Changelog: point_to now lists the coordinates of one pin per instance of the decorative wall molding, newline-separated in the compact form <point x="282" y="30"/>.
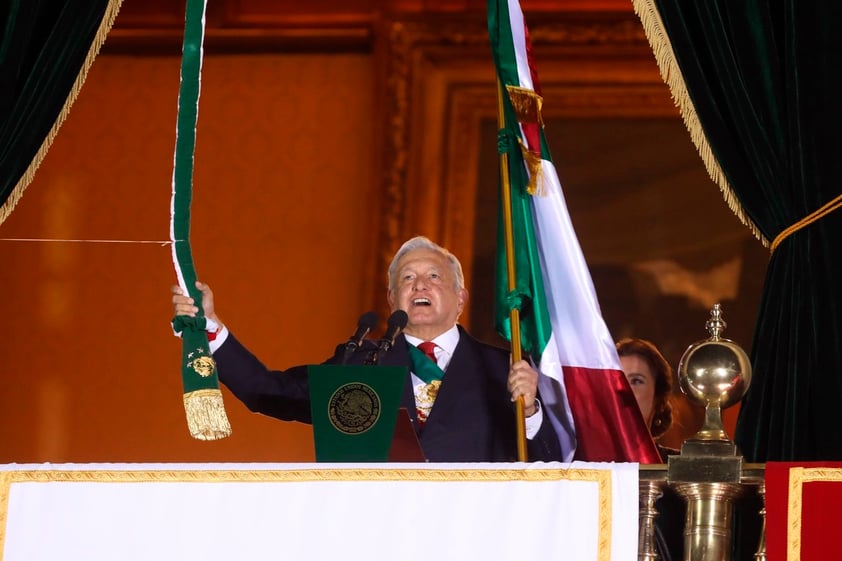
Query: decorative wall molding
<point x="434" y="89"/>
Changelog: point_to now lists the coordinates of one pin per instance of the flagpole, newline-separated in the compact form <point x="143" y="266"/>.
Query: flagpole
<point x="514" y="314"/>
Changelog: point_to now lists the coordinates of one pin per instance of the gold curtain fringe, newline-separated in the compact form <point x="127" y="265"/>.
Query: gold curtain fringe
<point x="653" y="27"/>
<point x="104" y="27"/>
<point x="527" y="105"/>
<point x="206" y="417"/>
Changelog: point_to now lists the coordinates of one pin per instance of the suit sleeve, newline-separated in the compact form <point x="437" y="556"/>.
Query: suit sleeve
<point x="283" y="394"/>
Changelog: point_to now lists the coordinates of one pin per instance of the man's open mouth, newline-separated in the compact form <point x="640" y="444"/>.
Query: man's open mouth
<point x="421" y="302"/>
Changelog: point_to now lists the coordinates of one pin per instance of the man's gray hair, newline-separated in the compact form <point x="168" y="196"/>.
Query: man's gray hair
<point x="422" y="242"/>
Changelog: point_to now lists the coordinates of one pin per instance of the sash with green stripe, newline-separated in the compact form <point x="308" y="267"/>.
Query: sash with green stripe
<point x="422" y="366"/>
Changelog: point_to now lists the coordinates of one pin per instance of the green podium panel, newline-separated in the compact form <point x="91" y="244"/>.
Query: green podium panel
<point x="354" y="410"/>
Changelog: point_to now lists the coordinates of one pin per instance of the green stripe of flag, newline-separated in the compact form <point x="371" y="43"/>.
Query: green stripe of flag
<point x="528" y="295"/>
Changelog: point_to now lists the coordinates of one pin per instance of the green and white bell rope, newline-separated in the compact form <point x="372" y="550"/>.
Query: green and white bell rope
<point x="206" y="418"/>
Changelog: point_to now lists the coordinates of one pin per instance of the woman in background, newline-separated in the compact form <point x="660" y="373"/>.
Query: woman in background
<point x="650" y="377"/>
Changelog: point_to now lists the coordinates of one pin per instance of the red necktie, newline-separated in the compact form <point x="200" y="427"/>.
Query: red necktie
<point x="429" y="349"/>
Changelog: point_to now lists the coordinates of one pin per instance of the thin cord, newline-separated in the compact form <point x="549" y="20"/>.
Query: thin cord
<point x="159" y="242"/>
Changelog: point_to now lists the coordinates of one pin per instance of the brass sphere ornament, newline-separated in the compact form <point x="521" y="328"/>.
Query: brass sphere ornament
<point x="716" y="373"/>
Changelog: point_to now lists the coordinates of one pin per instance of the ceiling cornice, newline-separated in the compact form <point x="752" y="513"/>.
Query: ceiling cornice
<point x="157" y="26"/>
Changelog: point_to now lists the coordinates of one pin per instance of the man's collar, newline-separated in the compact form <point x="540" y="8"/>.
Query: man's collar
<point x="447" y="340"/>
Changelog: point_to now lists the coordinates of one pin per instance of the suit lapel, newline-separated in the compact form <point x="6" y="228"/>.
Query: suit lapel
<point x="460" y="380"/>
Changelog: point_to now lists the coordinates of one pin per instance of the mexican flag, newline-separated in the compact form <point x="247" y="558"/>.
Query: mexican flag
<point x="583" y="388"/>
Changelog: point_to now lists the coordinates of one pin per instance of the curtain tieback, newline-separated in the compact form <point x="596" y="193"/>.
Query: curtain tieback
<point x="806" y="221"/>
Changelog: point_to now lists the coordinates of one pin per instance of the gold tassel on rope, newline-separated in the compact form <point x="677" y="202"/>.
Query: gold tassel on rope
<point x="206" y="418"/>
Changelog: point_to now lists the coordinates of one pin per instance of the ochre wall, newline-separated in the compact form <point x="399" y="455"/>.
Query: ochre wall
<point x="284" y="171"/>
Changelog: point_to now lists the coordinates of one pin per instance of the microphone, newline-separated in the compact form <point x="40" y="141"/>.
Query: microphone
<point x="397" y="321"/>
<point x="365" y="324"/>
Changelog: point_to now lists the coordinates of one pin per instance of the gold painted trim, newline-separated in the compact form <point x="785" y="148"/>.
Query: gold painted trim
<point x="653" y="26"/>
<point x="104" y="27"/>
<point x="601" y="477"/>
<point x="5" y="484"/>
<point x="798" y="476"/>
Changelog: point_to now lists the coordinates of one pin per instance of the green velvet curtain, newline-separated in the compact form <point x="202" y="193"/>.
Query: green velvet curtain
<point x="762" y="97"/>
<point x="46" y="48"/>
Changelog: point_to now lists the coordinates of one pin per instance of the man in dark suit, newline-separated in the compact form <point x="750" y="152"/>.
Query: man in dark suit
<point x="460" y="402"/>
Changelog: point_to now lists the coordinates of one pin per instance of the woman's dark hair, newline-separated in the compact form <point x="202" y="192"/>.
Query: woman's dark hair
<point x="661" y="407"/>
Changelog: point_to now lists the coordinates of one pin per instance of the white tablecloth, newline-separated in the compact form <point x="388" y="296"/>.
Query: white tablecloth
<point x="321" y="512"/>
